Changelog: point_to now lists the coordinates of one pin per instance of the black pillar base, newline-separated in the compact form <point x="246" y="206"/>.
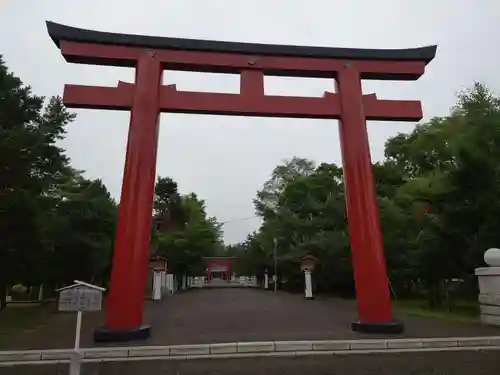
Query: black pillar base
<point x="387" y="327"/>
<point x="309" y="298"/>
<point x="103" y="334"/>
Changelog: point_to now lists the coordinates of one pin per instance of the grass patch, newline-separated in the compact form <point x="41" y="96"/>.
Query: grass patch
<point x="462" y="311"/>
<point x="16" y="319"/>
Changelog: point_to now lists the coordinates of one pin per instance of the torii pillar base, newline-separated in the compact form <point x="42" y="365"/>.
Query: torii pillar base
<point x="394" y="327"/>
<point x="103" y="334"/>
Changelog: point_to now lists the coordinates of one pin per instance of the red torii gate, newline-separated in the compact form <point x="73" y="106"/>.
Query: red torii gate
<point x="225" y="262"/>
<point x="147" y="97"/>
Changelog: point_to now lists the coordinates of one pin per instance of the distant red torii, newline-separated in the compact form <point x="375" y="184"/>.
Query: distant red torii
<point x="147" y="97"/>
<point x="211" y="264"/>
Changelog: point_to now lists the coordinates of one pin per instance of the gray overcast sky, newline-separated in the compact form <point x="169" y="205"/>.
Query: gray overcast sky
<point x="225" y="160"/>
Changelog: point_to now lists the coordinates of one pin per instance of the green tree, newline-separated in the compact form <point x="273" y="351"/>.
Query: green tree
<point x="266" y="201"/>
<point x="31" y="166"/>
<point x="55" y="225"/>
<point x="82" y="233"/>
<point x="438" y="195"/>
<point x="167" y="204"/>
<point x="185" y="245"/>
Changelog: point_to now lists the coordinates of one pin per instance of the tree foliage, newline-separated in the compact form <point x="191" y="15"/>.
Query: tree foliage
<point x="190" y="236"/>
<point x="54" y="224"/>
<point x="438" y="193"/>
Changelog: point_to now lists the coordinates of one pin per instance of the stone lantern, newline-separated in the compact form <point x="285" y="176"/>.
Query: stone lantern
<point x="489" y="287"/>
<point x="157" y="277"/>
<point x="307" y="264"/>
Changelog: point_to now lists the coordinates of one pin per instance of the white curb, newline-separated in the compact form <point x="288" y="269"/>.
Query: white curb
<point x="249" y="349"/>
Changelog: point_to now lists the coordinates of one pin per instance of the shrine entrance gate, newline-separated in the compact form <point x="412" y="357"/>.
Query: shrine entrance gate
<point x="147" y="97"/>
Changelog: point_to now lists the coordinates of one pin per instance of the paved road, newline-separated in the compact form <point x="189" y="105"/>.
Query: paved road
<point x="229" y="315"/>
<point x="428" y="363"/>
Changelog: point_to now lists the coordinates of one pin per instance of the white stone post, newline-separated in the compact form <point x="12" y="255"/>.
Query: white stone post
<point x="157" y="286"/>
<point x="308" y="285"/>
<point x="266" y="281"/>
<point x="170" y="283"/>
<point x="184" y="282"/>
<point x="489" y="288"/>
<point x="40" y="293"/>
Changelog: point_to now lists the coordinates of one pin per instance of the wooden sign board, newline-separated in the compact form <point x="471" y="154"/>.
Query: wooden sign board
<point x="80" y="298"/>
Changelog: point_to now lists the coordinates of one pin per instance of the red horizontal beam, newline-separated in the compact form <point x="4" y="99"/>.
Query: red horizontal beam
<point x="171" y="100"/>
<point x="97" y="97"/>
<point x="391" y="110"/>
<point x="90" y="53"/>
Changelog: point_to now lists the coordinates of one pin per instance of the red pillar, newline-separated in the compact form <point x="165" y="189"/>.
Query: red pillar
<point x="370" y="274"/>
<point x="128" y="277"/>
<point x="209" y="275"/>
<point x="228" y="270"/>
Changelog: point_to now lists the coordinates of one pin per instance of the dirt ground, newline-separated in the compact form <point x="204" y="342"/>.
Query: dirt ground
<point x="236" y="314"/>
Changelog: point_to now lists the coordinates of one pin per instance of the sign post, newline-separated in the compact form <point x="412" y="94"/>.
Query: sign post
<point x="79" y="297"/>
<point x="75" y="364"/>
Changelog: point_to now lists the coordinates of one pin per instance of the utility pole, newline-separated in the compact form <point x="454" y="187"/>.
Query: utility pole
<point x="275" y="276"/>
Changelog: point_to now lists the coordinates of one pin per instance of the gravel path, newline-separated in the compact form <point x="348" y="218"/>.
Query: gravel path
<point x="232" y="314"/>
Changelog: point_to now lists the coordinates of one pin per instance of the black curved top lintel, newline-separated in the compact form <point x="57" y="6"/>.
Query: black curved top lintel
<point x="60" y="32"/>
